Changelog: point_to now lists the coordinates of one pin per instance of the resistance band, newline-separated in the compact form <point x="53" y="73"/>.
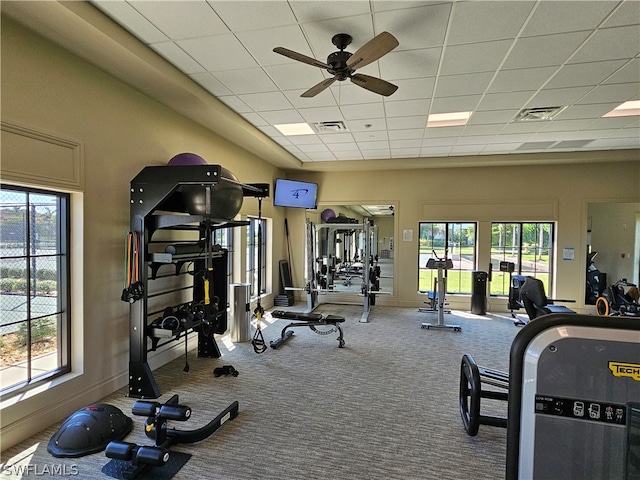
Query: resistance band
<point x="259" y="345"/>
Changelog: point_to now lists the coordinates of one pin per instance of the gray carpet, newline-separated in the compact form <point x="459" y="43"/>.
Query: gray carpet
<point x="383" y="407"/>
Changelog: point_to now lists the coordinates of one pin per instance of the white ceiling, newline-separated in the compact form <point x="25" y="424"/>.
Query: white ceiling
<point x="493" y="58"/>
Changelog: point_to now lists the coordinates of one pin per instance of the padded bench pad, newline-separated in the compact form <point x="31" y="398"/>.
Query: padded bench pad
<point x="306" y="317"/>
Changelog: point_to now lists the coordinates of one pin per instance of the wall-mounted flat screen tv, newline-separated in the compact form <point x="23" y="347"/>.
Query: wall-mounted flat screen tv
<point x="292" y="193"/>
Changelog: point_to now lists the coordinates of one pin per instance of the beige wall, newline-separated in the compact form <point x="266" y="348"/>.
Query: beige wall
<point x="557" y="193"/>
<point x="99" y="133"/>
<point x="69" y="125"/>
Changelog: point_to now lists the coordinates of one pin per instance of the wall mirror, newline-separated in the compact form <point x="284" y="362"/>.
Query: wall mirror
<point x="613" y="246"/>
<point x="342" y="249"/>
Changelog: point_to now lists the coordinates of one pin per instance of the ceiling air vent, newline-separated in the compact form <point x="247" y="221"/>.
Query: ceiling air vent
<point x="538" y="113"/>
<point x="336" y="126"/>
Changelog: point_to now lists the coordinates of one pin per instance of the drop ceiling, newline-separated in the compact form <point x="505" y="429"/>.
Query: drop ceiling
<point x="491" y="58"/>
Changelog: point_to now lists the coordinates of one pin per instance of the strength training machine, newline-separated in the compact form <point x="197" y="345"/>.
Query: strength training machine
<point x="141" y="458"/>
<point x="321" y="268"/>
<point x="196" y="200"/>
<point x="573" y="398"/>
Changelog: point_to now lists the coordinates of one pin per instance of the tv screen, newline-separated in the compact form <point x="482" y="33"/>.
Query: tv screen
<point x="292" y="193"/>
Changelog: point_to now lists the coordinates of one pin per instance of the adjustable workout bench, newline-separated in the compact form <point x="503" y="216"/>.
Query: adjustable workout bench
<point x="311" y="320"/>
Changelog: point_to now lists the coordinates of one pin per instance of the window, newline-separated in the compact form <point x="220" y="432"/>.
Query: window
<point x="528" y="246"/>
<point x="224" y="238"/>
<point x="34" y="286"/>
<point x="455" y="240"/>
<point x="256" y="243"/>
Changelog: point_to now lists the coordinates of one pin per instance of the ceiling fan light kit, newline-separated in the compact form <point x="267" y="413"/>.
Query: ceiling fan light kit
<point x="343" y="65"/>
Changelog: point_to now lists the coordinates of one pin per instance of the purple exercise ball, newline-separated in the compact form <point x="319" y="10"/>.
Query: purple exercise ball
<point x="187" y="159"/>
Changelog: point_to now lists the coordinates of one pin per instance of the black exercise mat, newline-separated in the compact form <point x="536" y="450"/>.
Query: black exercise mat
<point x="116" y="468"/>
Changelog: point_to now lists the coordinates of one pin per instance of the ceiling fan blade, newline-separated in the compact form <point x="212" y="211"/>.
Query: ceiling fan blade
<point x="316" y="89"/>
<point x="373" y="84"/>
<point x="300" y="57"/>
<point x="371" y="51"/>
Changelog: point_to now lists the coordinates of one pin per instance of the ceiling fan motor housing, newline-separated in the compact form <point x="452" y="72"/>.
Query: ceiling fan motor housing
<point x="338" y="63"/>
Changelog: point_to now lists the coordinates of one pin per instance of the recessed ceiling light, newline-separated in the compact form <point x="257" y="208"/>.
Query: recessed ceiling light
<point x="453" y="119"/>
<point x="289" y="129"/>
<point x="627" y="109"/>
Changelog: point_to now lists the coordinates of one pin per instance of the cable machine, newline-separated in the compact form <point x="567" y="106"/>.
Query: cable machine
<point x="198" y="199"/>
<point x="321" y="268"/>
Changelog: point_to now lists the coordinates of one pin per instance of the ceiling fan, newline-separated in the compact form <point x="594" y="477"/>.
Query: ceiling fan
<point x="342" y="65"/>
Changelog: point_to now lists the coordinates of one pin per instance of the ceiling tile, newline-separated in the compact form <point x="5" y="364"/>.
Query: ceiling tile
<point x="611" y="93"/>
<point x="558" y="97"/>
<point x="279" y="117"/>
<point x="132" y="20"/>
<point x="333" y="138"/>
<point x="491" y="129"/>
<point x="629" y="73"/>
<point x="307" y="11"/>
<point x="582" y="74"/>
<point x="521" y="79"/>
<point x="493" y="117"/>
<point x="476" y="57"/>
<point x="262" y="102"/>
<point x="544" y="51"/>
<point x="258" y="121"/>
<point x="435" y="151"/>
<point x="219" y="53"/>
<point x="295" y="75"/>
<point x="184" y="19"/>
<point x="407" y="107"/>
<point x="348" y="155"/>
<point x="405" y="143"/>
<point x="321" y="114"/>
<point x="565" y="125"/>
<point x="305" y="140"/>
<point x="399" y="123"/>
<point x="419" y="27"/>
<point x="247" y="80"/>
<point x="260" y="44"/>
<point x="367" y="125"/>
<point x="342" y="146"/>
<point x="627" y="13"/>
<point x="346" y="93"/>
<point x="413" y="88"/>
<point x="211" y="84"/>
<point x="253" y="15"/>
<point x="488" y="20"/>
<point x="410" y="64"/>
<point x="235" y="104"/>
<point x="324" y="99"/>
<point x="462" y="103"/>
<point x="383" y="144"/>
<point x="409" y="134"/>
<point x="376" y="154"/>
<point x="174" y="54"/>
<point x="586" y="111"/>
<point x="467" y="84"/>
<point x="562" y="16"/>
<point x="609" y="44"/>
<point x="505" y="101"/>
<point x="319" y="34"/>
<point x="405" y="152"/>
<point x="362" y="111"/>
<point x="443" y="132"/>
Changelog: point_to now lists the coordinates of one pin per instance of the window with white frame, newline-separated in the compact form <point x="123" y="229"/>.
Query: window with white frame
<point x="456" y="241"/>
<point x="528" y="245"/>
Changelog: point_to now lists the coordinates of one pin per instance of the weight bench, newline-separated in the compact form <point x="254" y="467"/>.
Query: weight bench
<point x="311" y="320"/>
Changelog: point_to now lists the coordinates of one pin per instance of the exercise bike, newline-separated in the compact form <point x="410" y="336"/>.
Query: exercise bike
<point x="621" y="298"/>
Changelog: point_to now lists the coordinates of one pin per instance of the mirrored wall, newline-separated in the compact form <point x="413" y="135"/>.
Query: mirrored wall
<point x="343" y="249"/>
